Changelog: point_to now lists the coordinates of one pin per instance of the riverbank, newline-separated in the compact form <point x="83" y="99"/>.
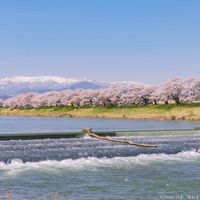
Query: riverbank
<point x="165" y="112"/>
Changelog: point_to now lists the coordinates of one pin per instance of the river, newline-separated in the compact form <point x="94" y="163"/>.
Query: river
<point x="89" y="169"/>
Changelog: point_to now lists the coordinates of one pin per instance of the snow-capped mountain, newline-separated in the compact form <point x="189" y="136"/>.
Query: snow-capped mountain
<point x="20" y="84"/>
<point x="15" y="85"/>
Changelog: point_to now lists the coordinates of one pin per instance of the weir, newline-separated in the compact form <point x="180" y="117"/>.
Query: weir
<point x="168" y="142"/>
<point x="58" y="135"/>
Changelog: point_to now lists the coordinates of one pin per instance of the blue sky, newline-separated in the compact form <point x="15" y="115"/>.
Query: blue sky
<point x="108" y="40"/>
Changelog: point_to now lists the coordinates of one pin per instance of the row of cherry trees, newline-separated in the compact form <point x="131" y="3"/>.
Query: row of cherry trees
<point x="176" y="89"/>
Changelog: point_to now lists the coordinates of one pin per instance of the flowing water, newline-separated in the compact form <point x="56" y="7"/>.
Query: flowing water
<point x="90" y="169"/>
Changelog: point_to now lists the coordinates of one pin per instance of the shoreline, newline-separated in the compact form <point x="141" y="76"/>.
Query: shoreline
<point x="151" y="112"/>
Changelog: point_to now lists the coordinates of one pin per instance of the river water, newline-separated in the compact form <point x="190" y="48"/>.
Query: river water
<point x="44" y="124"/>
<point x="90" y="169"/>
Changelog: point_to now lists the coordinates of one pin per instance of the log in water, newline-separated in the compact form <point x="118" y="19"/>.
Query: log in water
<point x="90" y="133"/>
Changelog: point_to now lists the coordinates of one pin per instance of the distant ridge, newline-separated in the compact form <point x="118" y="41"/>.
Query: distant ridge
<point x="85" y="85"/>
<point x="19" y="84"/>
<point x="12" y="86"/>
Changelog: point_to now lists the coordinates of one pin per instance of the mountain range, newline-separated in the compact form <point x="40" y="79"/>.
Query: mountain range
<point x="15" y="85"/>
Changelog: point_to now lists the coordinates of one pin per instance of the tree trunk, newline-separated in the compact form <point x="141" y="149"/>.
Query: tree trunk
<point x="93" y="135"/>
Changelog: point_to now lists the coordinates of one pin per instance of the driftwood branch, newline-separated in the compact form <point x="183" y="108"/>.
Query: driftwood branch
<point x="93" y="135"/>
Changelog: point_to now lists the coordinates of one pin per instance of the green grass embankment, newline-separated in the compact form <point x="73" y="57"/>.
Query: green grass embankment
<point x="168" y="112"/>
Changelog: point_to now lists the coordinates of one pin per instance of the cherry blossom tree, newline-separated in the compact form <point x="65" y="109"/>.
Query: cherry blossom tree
<point x="145" y="95"/>
<point x="171" y="90"/>
<point x="176" y="89"/>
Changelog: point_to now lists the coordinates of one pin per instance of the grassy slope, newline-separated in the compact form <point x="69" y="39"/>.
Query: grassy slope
<point x="188" y="112"/>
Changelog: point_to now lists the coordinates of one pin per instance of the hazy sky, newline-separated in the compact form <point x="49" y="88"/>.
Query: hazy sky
<point x="109" y="40"/>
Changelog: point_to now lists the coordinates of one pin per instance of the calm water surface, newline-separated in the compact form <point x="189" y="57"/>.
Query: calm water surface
<point x="88" y="169"/>
<point x="42" y="124"/>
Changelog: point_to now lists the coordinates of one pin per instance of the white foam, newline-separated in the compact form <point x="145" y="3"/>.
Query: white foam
<point x="16" y="166"/>
<point x="86" y="136"/>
